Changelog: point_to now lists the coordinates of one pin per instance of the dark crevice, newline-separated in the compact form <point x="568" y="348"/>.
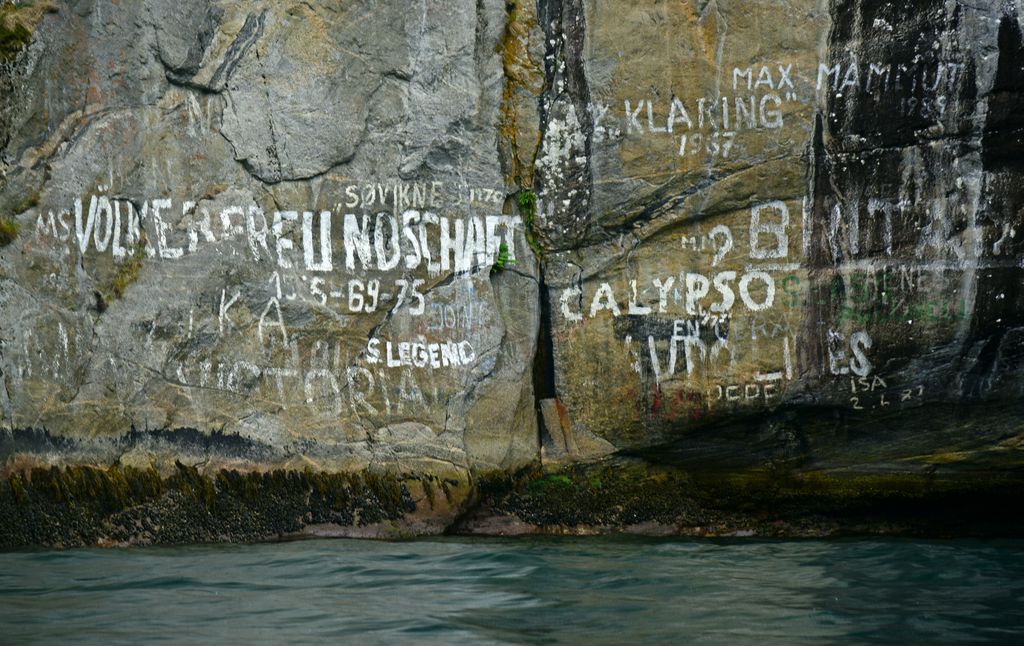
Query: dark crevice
<point x="564" y="26"/>
<point x="815" y="351"/>
<point x="1003" y="139"/>
<point x="543" y="360"/>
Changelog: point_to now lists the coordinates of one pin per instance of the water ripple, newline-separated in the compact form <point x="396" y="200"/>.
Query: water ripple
<point x="525" y="591"/>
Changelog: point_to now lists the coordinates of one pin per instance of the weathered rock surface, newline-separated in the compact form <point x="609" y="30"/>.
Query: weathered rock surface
<point x="806" y="251"/>
<point x="243" y="221"/>
<point x="780" y="242"/>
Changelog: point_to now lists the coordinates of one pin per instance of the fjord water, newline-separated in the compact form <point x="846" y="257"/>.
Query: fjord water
<point x="582" y="590"/>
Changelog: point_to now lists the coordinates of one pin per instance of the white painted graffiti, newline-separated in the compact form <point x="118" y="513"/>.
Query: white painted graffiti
<point x="380" y="242"/>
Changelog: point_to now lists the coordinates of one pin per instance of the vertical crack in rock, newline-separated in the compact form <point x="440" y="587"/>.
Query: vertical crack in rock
<point x="1003" y="136"/>
<point x="820" y="308"/>
<point x="564" y="178"/>
<point x="562" y="208"/>
<point x="519" y="136"/>
<point x="6" y="404"/>
<point x="544" y="360"/>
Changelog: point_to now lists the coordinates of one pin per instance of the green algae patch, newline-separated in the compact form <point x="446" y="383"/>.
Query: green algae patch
<point x="8" y="231"/>
<point x="12" y="40"/>
<point x="17" y="22"/>
<point x="9" y="227"/>
<point x="127" y="273"/>
<point x="31" y="200"/>
<point x="524" y="82"/>
<point x="604" y="495"/>
<point x="528" y="208"/>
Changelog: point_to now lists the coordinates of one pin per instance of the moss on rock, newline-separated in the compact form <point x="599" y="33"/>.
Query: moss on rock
<point x="13" y="40"/>
<point x="624" y="495"/>
<point x="86" y="505"/>
<point x="17" y="22"/>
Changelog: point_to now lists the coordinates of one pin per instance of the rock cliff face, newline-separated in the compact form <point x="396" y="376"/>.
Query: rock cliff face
<point x="810" y="241"/>
<point x="712" y="246"/>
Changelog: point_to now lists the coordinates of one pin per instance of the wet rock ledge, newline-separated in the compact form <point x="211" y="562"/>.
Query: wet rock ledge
<point x="122" y="506"/>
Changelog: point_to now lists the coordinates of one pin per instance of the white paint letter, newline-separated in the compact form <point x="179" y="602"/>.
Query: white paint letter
<point x="383" y="262"/>
<point x="757" y="227"/>
<point x="326" y="263"/>
<point x="604" y="292"/>
<point x="769" y="284"/>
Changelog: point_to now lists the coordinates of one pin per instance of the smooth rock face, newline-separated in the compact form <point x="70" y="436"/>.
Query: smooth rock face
<point x="438" y="237"/>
